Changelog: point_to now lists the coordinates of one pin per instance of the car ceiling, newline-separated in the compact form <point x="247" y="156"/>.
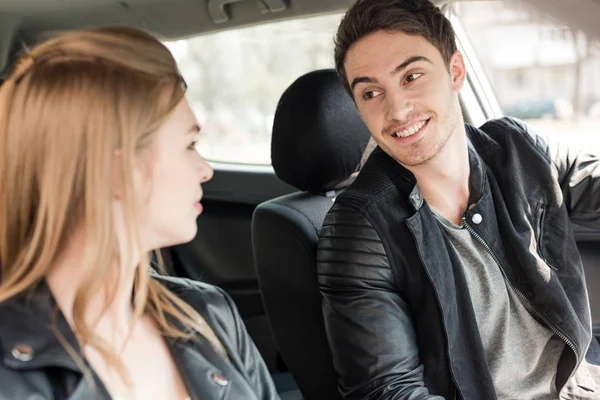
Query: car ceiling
<point x="23" y="21"/>
<point x="166" y="18"/>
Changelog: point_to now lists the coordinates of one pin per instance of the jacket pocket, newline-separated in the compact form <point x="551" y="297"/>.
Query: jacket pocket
<point x="540" y="215"/>
<point x="539" y="229"/>
<point x="584" y="383"/>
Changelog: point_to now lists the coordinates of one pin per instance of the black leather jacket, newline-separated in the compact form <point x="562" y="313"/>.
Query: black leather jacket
<point x="44" y="371"/>
<point x="396" y="306"/>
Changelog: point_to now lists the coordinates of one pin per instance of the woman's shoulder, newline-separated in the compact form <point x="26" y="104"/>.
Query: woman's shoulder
<point x="208" y="300"/>
<point x="189" y="287"/>
<point x="222" y="315"/>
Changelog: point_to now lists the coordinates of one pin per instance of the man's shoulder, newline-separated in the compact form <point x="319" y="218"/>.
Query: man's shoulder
<point x="377" y="180"/>
<point x="502" y="130"/>
<point x="513" y="135"/>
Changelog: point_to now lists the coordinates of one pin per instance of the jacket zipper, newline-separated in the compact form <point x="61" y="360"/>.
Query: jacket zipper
<point x="554" y="329"/>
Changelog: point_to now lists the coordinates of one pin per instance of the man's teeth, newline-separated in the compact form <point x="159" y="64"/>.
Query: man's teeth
<point x="411" y="131"/>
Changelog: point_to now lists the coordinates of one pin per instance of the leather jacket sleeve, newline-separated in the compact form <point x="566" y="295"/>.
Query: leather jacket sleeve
<point x="252" y="361"/>
<point x="368" y="324"/>
<point x="578" y="174"/>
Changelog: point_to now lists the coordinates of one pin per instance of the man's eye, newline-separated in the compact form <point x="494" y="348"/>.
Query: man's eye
<point x="412" y="77"/>
<point x="370" y="94"/>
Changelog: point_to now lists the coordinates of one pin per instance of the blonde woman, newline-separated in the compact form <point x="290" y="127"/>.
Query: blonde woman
<point x="98" y="167"/>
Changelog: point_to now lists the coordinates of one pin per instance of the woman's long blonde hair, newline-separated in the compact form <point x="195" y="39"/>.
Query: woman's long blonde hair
<point x="69" y="105"/>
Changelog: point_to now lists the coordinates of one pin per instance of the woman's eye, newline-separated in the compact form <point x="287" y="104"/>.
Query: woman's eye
<point x="412" y="77"/>
<point x="195" y="140"/>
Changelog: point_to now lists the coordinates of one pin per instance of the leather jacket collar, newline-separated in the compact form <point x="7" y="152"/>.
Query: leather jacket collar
<point x="34" y="361"/>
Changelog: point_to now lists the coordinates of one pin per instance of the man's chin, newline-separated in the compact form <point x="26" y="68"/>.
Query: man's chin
<point x="421" y="156"/>
<point x="414" y="159"/>
<point x="415" y="163"/>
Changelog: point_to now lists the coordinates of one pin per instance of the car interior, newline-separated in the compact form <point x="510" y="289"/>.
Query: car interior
<point x="317" y="145"/>
<point x="257" y="235"/>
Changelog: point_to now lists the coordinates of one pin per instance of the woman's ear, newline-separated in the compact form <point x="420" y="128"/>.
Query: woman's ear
<point x="117" y="175"/>
<point x="139" y="172"/>
<point x="458" y="71"/>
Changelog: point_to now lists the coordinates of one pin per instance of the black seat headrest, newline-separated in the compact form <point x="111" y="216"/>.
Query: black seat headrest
<point x="318" y="134"/>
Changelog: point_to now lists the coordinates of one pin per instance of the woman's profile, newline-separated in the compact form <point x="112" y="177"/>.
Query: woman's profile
<point x="99" y="168"/>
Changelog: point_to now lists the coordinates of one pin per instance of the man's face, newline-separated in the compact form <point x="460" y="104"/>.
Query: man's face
<point x="406" y="94"/>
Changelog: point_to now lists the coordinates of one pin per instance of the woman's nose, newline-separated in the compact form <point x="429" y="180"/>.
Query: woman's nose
<point x="206" y="171"/>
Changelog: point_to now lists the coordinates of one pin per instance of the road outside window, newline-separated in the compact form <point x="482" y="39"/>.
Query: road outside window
<point x="235" y="79"/>
<point x="542" y="72"/>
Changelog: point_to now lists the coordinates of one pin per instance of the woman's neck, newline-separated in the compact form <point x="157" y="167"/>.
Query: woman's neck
<point x="109" y="319"/>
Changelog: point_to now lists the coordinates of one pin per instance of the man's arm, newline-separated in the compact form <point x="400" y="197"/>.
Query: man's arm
<point x="368" y="324"/>
<point x="578" y="174"/>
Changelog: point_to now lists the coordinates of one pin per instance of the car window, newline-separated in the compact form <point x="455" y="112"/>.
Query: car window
<point x="542" y="72"/>
<point x="235" y="79"/>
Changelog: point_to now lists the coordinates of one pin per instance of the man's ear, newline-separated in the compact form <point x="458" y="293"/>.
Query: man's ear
<point x="458" y="71"/>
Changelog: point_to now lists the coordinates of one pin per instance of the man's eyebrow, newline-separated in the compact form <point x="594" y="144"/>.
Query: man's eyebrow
<point x="361" y="79"/>
<point x="409" y="61"/>
<point x="404" y="65"/>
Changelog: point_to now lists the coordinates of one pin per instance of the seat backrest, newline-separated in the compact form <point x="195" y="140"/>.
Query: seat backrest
<point x="318" y="140"/>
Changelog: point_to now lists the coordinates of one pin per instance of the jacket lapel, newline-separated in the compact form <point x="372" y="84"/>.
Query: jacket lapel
<point x="209" y="377"/>
<point x="29" y="341"/>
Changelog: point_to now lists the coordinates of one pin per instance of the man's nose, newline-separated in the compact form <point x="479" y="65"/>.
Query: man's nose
<point x="398" y="106"/>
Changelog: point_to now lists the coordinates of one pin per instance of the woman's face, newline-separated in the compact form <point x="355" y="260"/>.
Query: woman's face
<point x="172" y="188"/>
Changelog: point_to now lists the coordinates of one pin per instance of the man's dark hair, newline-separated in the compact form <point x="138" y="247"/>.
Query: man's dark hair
<point x="412" y="17"/>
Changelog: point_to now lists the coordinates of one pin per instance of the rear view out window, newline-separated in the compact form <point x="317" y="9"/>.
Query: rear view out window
<point x="235" y="79"/>
<point x="544" y="73"/>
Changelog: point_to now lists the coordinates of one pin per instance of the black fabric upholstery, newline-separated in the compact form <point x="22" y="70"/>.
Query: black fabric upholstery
<point x="318" y="135"/>
<point x="284" y="234"/>
<point x="318" y="141"/>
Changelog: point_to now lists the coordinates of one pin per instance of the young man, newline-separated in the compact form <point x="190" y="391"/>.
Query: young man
<point x="449" y="268"/>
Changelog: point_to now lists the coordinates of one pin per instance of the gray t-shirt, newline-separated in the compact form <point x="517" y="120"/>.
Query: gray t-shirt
<point x="522" y="352"/>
